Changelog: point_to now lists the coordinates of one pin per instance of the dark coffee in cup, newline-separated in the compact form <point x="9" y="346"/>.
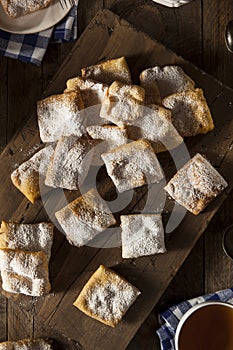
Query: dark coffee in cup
<point x="209" y="327"/>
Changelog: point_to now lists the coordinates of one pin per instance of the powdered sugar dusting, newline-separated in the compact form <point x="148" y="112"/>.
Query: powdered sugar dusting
<point x="77" y="232"/>
<point x="196" y="184"/>
<point x="132" y="165"/>
<point x="29" y="237"/>
<point x="112" y="136"/>
<point x="30" y="152"/>
<point x="84" y="218"/>
<point x="107" y="296"/>
<point x="70" y="162"/>
<point x="111" y="300"/>
<point x="37" y="164"/>
<point x="22" y="263"/>
<point x="60" y="115"/>
<point x="124" y="103"/>
<point x="170" y="79"/>
<point x="27" y="176"/>
<point x="17" y="8"/>
<point x="109" y="71"/>
<point x="149" y="83"/>
<point x="155" y="125"/>
<point x="27" y="344"/>
<point x="142" y="235"/>
<point x="190" y="112"/>
<point x="14" y="283"/>
<point x="92" y="92"/>
<point x="115" y="135"/>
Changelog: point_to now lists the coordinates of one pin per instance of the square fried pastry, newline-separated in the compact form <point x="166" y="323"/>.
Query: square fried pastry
<point x="106" y="297"/>
<point x="190" y="112"/>
<point x="92" y="92"/>
<point x="152" y="94"/>
<point x="17" y="9"/>
<point x="155" y="126"/>
<point x="27" y="237"/>
<point x="133" y="165"/>
<point x="60" y="115"/>
<point x="70" y="162"/>
<point x="123" y="103"/>
<point x="109" y="71"/>
<point x="24" y="272"/>
<point x="17" y="284"/>
<point x="196" y="184"/>
<point x="84" y="218"/>
<point x="169" y="79"/>
<point x="24" y="263"/>
<point x="111" y="135"/>
<point x="27" y="344"/>
<point x="29" y="176"/>
<point x="141" y="235"/>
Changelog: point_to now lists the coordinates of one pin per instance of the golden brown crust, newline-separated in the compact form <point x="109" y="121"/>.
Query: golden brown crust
<point x="196" y="184"/>
<point x="4" y="231"/>
<point x="152" y="94"/>
<point x="102" y="280"/>
<point x="123" y="103"/>
<point x="92" y="92"/>
<point x="29" y="188"/>
<point x="70" y="97"/>
<point x="190" y="112"/>
<point x="109" y="71"/>
<point x="84" y="218"/>
<point x="29" y="175"/>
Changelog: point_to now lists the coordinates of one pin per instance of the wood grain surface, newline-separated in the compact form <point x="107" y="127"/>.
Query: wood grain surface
<point x="195" y="31"/>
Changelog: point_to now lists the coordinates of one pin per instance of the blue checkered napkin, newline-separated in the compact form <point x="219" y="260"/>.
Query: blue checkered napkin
<point x="171" y="317"/>
<point x="32" y="47"/>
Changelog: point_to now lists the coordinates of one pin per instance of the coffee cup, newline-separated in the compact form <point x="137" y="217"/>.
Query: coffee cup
<point x="208" y="325"/>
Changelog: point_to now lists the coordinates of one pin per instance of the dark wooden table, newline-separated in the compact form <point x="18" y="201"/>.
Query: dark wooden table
<point x="194" y="31"/>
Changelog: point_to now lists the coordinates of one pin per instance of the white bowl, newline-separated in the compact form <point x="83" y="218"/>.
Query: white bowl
<point x="187" y="316"/>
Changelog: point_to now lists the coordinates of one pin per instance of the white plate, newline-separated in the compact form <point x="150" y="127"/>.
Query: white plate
<point x="172" y="3"/>
<point x="34" y="22"/>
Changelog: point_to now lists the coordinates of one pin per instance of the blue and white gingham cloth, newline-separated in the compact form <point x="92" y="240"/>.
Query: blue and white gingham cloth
<point x="32" y="47"/>
<point x="171" y="317"/>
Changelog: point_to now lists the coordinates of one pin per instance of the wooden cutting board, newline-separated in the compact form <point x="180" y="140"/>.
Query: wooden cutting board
<point x="108" y="36"/>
